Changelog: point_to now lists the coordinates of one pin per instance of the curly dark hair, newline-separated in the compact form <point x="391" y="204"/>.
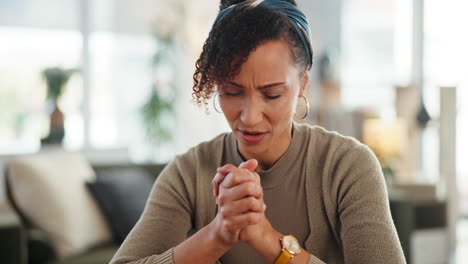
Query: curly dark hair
<point x="233" y="38"/>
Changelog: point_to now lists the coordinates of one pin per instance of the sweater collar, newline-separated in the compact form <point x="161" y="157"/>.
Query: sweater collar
<point x="277" y="173"/>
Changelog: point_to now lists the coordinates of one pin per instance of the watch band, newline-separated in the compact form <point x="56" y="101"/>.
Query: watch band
<point x="284" y="257"/>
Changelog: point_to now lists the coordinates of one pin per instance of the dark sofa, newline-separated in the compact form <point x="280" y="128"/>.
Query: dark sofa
<point x="22" y="243"/>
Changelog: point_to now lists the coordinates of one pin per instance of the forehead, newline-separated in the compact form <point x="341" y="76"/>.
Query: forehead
<point x="270" y="61"/>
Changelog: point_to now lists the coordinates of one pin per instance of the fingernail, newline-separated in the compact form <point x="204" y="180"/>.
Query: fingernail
<point x="264" y="207"/>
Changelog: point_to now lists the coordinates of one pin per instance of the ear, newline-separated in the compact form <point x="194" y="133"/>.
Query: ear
<point x="304" y="84"/>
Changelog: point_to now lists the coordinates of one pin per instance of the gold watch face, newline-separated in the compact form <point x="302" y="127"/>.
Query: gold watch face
<point x="291" y="244"/>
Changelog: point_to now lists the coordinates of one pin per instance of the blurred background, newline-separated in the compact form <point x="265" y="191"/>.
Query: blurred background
<point x="98" y="93"/>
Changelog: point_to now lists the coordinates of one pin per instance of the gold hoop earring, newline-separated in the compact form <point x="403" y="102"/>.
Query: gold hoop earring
<point x="214" y="104"/>
<point x="307" y="106"/>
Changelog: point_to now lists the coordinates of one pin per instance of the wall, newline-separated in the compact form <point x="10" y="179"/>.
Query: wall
<point x="325" y="24"/>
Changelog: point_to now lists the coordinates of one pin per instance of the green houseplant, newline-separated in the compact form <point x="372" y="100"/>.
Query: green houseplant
<point x="158" y="110"/>
<point x="154" y="111"/>
<point x="56" y="78"/>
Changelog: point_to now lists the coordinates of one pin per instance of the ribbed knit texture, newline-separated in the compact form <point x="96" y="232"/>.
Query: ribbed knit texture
<point x="326" y="189"/>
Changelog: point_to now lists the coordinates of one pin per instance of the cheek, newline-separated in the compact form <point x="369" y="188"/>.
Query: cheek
<point x="281" y="112"/>
<point x="285" y="107"/>
<point x="282" y="117"/>
<point x="229" y="108"/>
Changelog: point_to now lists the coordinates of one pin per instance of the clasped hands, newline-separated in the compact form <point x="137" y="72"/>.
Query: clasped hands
<point x="241" y="209"/>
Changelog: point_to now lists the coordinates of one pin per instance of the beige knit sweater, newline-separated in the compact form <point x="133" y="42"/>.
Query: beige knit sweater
<point x="347" y="203"/>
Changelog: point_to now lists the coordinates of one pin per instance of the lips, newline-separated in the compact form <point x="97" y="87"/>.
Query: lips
<point x="252" y="137"/>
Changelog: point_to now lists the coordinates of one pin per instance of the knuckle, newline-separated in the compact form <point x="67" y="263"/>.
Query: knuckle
<point x="252" y="202"/>
<point x="235" y="179"/>
<point x="215" y="179"/>
<point x="228" y="225"/>
<point x="260" y="190"/>
<point x="257" y="177"/>
<point x="229" y="167"/>
<point x="251" y="188"/>
<point x="224" y="212"/>
<point x="221" y="199"/>
<point x="247" y="188"/>
<point x="251" y="218"/>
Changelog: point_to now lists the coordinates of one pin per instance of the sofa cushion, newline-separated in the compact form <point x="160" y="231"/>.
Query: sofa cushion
<point x="49" y="189"/>
<point x="121" y="194"/>
<point x="99" y="255"/>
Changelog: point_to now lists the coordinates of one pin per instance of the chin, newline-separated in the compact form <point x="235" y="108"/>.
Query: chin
<point x="253" y="148"/>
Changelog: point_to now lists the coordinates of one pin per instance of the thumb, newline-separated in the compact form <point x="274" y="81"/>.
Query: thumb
<point x="250" y="165"/>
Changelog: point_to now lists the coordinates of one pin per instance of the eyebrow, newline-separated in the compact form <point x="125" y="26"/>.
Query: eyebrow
<point x="259" y="87"/>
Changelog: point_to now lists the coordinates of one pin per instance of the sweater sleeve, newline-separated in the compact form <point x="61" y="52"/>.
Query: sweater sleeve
<point x="367" y="231"/>
<point x="165" y="221"/>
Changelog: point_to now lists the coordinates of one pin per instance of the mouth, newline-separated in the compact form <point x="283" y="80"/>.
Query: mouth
<point x="252" y="137"/>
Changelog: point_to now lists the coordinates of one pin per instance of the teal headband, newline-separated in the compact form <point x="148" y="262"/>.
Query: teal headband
<point x="295" y="16"/>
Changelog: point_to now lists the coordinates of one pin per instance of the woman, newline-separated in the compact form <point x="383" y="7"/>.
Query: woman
<point x="271" y="191"/>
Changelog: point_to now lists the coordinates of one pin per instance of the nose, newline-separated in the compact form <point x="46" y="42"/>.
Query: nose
<point x="252" y="111"/>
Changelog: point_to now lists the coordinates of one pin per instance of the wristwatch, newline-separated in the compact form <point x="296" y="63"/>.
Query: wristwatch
<point x="289" y="248"/>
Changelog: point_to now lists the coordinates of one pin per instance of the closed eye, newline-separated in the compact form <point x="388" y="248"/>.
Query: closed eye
<point x="231" y="93"/>
<point x="272" y="97"/>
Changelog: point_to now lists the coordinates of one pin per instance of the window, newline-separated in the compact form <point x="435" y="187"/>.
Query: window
<point x="367" y="76"/>
<point x="445" y="58"/>
<point x="34" y="36"/>
<point x="104" y="114"/>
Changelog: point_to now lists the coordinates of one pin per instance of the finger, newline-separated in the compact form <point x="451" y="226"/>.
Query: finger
<point x="219" y="177"/>
<point x="250" y="165"/>
<point x="257" y="177"/>
<point x="238" y="176"/>
<point x="226" y="168"/>
<point x="242" y="221"/>
<point x="242" y="206"/>
<point x="239" y="192"/>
